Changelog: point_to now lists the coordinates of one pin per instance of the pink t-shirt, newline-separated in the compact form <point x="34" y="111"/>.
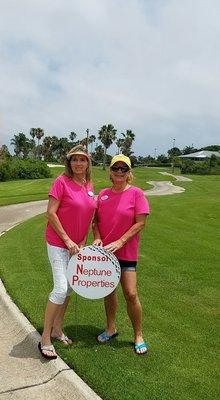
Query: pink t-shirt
<point x="75" y="212"/>
<point x="116" y="215"/>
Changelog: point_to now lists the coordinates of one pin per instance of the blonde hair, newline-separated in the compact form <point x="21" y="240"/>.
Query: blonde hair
<point x="79" y="149"/>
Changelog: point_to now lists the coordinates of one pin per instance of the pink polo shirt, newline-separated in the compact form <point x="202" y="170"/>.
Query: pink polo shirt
<point x="75" y="212"/>
<point x="116" y="215"/>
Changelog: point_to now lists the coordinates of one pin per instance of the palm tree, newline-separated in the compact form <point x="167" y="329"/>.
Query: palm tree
<point x="63" y="148"/>
<point x="98" y="154"/>
<point x="57" y="148"/>
<point x="33" y="132"/>
<point x="127" y="141"/>
<point x="119" y="144"/>
<point x="22" y="145"/>
<point x="33" y="135"/>
<point x="39" y="134"/>
<point x="46" y="148"/>
<point x="188" y="150"/>
<point x="174" y="152"/>
<point x="107" y="135"/>
<point x="92" y="139"/>
<point x="54" y="148"/>
<point x="72" y="137"/>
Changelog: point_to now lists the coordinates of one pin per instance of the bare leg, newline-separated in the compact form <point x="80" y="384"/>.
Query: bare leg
<point x="50" y="313"/>
<point x="111" y="305"/>
<point x="58" y="320"/>
<point x="134" y="309"/>
<point x="54" y="313"/>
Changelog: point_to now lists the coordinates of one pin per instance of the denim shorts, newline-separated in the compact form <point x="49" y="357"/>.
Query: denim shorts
<point x="127" y="265"/>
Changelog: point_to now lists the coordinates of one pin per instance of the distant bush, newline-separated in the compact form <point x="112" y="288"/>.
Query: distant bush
<point x="201" y="167"/>
<point x="23" y="169"/>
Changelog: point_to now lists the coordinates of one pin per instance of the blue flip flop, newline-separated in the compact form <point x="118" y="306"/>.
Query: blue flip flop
<point x="141" y="346"/>
<point x="104" y="337"/>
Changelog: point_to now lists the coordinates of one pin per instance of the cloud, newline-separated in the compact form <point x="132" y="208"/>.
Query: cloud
<point x="150" y="66"/>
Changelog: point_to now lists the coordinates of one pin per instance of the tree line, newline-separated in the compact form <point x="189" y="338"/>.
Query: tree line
<point x="53" y="149"/>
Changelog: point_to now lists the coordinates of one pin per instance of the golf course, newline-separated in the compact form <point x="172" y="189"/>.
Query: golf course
<point x="178" y="285"/>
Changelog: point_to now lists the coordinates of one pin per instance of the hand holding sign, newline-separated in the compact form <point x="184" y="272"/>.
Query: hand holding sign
<point x="93" y="272"/>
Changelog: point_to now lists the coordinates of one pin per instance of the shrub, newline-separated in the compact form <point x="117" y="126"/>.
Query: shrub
<point x="200" y="167"/>
<point x="23" y="169"/>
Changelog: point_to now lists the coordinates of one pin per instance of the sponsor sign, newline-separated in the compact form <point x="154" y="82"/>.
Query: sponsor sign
<point x="93" y="273"/>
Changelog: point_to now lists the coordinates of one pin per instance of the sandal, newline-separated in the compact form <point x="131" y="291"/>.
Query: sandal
<point x="141" y="346"/>
<point x="104" y="337"/>
<point x="50" y="349"/>
<point x="64" y="339"/>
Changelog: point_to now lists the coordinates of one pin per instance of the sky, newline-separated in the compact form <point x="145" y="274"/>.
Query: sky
<point x="152" y="66"/>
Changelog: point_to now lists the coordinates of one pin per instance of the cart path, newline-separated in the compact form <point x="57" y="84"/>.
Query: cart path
<point x="15" y="213"/>
<point x="163" y="188"/>
<point x="177" y="177"/>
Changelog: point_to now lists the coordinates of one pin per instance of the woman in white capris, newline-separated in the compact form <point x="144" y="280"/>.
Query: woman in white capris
<point x="70" y="211"/>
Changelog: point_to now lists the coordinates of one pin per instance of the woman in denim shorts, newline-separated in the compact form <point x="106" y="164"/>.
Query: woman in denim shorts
<point x="121" y="214"/>
<point x="70" y="211"/>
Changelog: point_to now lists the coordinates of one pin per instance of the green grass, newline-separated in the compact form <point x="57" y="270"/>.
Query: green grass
<point x="178" y="287"/>
<point x="21" y="191"/>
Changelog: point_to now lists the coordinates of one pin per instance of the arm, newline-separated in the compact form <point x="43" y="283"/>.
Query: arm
<point x="53" y="205"/>
<point x="97" y="237"/>
<point x="139" y="224"/>
<point x="83" y="242"/>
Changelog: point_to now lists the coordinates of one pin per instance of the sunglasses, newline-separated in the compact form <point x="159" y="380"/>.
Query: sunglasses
<point x="122" y="169"/>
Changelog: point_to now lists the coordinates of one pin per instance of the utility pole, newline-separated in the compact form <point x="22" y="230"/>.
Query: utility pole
<point x="174" y="140"/>
<point x="87" y="140"/>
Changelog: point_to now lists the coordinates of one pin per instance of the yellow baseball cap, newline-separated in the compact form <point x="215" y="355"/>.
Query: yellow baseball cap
<point x="122" y="158"/>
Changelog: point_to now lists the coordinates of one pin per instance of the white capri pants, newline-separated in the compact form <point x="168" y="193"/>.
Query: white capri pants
<point x="59" y="259"/>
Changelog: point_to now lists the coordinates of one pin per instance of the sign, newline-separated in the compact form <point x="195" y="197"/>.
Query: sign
<point x="93" y="273"/>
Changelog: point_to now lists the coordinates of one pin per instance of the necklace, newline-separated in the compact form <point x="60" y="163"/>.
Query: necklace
<point x="80" y="182"/>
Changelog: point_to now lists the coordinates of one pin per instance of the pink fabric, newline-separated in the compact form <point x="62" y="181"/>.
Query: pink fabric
<point x="77" y="205"/>
<point x="116" y="215"/>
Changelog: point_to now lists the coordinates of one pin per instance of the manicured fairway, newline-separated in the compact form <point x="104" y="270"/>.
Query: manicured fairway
<point x="21" y="191"/>
<point x="178" y="286"/>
